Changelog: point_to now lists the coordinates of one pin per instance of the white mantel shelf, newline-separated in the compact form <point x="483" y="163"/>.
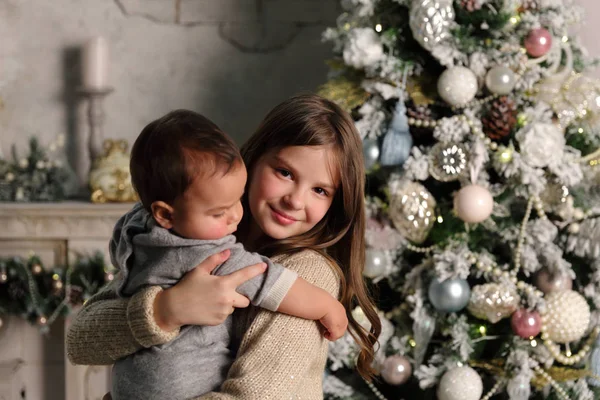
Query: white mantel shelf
<point x="69" y="219"/>
<point x="57" y="233"/>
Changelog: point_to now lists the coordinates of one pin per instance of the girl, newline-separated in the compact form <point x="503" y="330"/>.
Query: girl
<point x="305" y="209"/>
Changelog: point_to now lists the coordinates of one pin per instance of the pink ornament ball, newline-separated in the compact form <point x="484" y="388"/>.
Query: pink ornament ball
<point x="526" y="323"/>
<point x="396" y="370"/>
<point x="473" y="204"/>
<point x="549" y="282"/>
<point x="538" y="42"/>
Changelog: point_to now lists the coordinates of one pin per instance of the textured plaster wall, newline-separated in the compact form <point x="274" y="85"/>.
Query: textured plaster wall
<point x="230" y="59"/>
<point x="590" y="35"/>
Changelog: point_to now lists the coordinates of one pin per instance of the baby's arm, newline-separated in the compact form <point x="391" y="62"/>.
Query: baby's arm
<point x="279" y="289"/>
<point x="307" y="301"/>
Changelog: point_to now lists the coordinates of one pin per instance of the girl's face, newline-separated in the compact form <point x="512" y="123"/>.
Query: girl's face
<point x="292" y="189"/>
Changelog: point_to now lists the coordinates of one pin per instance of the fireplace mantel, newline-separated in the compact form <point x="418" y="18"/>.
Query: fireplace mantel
<point x="34" y="366"/>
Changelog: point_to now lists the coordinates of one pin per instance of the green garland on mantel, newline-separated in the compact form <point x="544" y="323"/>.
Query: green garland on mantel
<point x="41" y="295"/>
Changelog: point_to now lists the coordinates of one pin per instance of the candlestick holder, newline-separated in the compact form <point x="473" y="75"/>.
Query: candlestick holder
<point x="90" y="149"/>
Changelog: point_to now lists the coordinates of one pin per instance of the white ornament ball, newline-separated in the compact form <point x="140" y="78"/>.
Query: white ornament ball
<point x="473" y="203"/>
<point x="376" y="263"/>
<point x="567" y="316"/>
<point x="457" y="86"/>
<point x="461" y="383"/>
<point x="500" y="80"/>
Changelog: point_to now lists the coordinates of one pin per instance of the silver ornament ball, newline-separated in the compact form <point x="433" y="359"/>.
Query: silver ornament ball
<point x="396" y="370"/>
<point x="451" y="295"/>
<point x="457" y="86"/>
<point x="461" y="383"/>
<point x="500" y="80"/>
<point x="376" y="263"/>
<point x="370" y="152"/>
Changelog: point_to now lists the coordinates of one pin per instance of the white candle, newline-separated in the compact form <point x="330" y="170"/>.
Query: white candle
<point x="95" y="64"/>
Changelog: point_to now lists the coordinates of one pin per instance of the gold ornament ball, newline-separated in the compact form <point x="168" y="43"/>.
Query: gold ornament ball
<point x="412" y="211"/>
<point x="566" y="318"/>
<point x="493" y="302"/>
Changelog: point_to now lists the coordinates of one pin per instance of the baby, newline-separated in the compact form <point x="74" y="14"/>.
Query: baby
<point x="190" y="178"/>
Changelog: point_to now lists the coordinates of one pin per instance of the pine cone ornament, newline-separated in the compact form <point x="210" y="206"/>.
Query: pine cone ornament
<point x="470" y="5"/>
<point x="500" y="118"/>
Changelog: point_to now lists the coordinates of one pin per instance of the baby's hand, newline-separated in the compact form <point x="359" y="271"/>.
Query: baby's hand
<point x="335" y="322"/>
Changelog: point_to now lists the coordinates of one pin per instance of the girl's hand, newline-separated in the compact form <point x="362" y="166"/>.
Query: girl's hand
<point x="201" y="298"/>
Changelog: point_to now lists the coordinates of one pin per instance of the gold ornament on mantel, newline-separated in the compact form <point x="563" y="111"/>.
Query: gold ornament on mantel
<point x="110" y="179"/>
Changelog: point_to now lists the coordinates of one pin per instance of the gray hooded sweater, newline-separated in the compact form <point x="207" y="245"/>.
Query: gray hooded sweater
<point x="197" y="361"/>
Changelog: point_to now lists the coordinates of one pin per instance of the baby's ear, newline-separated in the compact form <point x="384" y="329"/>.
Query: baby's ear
<point x="163" y="214"/>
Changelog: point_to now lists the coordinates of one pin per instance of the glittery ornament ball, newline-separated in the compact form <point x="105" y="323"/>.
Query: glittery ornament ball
<point x="412" y="211"/>
<point x="448" y="161"/>
<point x="396" y="370"/>
<point x="493" y="302"/>
<point x="461" y="383"/>
<point x="538" y="42"/>
<point x="430" y="21"/>
<point x="457" y="86"/>
<point x="525" y="323"/>
<point x="473" y="204"/>
<point x="566" y="318"/>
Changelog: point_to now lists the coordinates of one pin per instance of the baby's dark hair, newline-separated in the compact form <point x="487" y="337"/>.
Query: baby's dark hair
<point x="172" y="151"/>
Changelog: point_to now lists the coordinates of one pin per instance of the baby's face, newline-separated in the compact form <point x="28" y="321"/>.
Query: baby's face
<point x="211" y="208"/>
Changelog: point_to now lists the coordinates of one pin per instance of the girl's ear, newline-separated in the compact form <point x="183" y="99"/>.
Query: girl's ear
<point x="163" y="214"/>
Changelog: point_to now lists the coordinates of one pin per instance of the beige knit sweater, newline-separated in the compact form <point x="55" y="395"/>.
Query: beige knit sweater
<point x="280" y="357"/>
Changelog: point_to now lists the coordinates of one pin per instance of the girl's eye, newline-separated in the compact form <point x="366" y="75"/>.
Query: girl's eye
<point x="284" y="172"/>
<point x="321" y="191"/>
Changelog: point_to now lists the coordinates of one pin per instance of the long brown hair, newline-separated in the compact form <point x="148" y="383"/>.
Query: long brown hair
<point x="310" y="120"/>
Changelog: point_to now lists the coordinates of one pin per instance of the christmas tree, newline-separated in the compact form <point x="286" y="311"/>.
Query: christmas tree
<point x="481" y="136"/>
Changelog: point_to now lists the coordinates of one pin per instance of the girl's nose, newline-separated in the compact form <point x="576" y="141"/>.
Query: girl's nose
<point x="294" y="200"/>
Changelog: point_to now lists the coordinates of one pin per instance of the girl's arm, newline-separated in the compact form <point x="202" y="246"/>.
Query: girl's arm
<point x="280" y="353"/>
<point x="108" y="328"/>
